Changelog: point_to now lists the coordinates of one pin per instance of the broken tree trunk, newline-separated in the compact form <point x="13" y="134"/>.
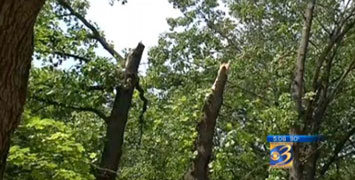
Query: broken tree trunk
<point x="118" y="118"/>
<point x="205" y="128"/>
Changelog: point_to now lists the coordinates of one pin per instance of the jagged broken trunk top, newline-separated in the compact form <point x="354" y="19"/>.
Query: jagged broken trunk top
<point x="205" y="128"/>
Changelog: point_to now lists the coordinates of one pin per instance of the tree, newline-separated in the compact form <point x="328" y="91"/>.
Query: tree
<point x="292" y="71"/>
<point x="206" y="127"/>
<point x="263" y="39"/>
<point x="107" y="88"/>
<point x="298" y="86"/>
<point x="16" y="33"/>
<point x="119" y="115"/>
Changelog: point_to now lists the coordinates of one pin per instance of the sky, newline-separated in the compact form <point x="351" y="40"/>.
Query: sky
<point x="137" y="20"/>
<point x="127" y="25"/>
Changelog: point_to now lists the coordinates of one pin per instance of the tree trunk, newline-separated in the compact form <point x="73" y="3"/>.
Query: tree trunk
<point x="118" y="119"/>
<point x="17" y="18"/>
<point x="204" y="142"/>
<point x="296" y="172"/>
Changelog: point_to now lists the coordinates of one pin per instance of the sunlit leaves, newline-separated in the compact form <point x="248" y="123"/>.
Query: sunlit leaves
<point x="47" y="149"/>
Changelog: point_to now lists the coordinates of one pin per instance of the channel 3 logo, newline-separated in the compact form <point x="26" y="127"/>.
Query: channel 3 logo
<point x="281" y="155"/>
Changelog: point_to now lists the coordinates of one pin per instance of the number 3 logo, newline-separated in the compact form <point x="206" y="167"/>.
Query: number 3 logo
<point x="281" y="155"/>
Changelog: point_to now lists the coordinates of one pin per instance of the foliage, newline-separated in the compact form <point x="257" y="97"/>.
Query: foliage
<point x="63" y="136"/>
<point x="47" y="149"/>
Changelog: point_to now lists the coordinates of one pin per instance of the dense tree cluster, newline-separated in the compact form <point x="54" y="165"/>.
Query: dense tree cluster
<point x="275" y="67"/>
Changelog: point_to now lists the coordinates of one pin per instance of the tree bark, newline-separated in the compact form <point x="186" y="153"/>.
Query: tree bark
<point x="17" y="19"/>
<point x="118" y="118"/>
<point x="204" y="142"/>
<point x="296" y="172"/>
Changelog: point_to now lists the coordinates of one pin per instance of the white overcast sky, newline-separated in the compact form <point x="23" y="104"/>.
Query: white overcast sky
<point x="137" y="20"/>
<point x="126" y="25"/>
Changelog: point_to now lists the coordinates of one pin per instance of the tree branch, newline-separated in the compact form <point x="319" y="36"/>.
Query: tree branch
<point x="76" y="108"/>
<point x="215" y="28"/>
<point x="336" y="38"/>
<point x="96" y="33"/>
<point x="323" y="27"/>
<point x="341" y="80"/>
<point x="64" y="54"/>
<point x="265" y="101"/>
<point x="298" y="82"/>
<point x="144" y="109"/>
<point x="337" y="149"/>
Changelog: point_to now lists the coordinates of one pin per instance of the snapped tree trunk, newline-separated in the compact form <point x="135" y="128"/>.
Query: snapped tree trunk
<point x="17" y="19"/>
<point x="117" y="121"/>
<point x="205" y="128"/>
<point x="296" y="172"/>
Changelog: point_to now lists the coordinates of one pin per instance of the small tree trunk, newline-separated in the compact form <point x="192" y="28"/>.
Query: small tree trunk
<point x="118" y="119"/>
<point x="204" y="142"/>
<point x="17" y="18"/>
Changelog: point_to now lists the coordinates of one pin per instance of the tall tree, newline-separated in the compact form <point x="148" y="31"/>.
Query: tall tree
<point x="108" y="87"/>
<point x="16" y="34"/>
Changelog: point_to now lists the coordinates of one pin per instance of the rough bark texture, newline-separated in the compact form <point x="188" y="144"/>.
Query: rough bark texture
<point x="118" y="118"/>
<point x="298" y="88"/>
<point x="206" y="126"/>
<point x="17" y="18"/>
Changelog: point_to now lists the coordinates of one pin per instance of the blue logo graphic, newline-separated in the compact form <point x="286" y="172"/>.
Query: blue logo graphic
<point x="281" y="155"/>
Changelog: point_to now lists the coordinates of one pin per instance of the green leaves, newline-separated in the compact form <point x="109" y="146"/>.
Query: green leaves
<point x="47" y="149"/>
<point x="62" y="139"/>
